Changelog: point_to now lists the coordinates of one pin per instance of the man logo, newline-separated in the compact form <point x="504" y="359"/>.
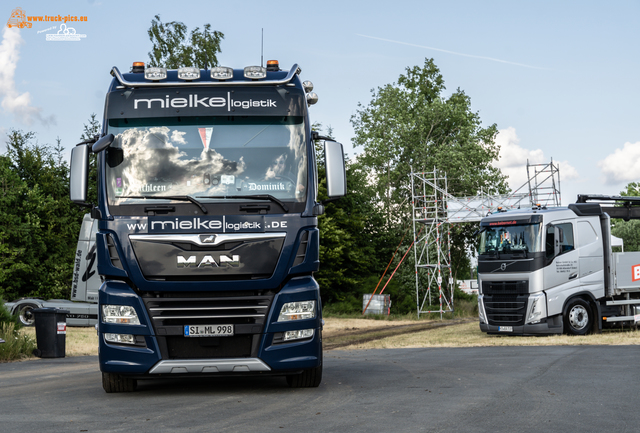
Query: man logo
<point x="208" y="239"/>
<point x="208" y="261"/>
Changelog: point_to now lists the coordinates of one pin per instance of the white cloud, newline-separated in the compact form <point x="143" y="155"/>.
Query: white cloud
<point x="14" y="102"/>
<point x="623" y="165"/>
<point x="513" y="159"/>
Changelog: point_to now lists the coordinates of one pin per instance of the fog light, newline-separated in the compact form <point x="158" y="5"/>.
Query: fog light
<point x="298" y="335"/>
<point x="155" y="74"/>
<point x="297" y="311"/>
<point x="120" y="338"/>
<point x="122" y="314"/>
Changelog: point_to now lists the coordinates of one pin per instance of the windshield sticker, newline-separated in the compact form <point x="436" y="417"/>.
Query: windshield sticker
<point x="205" y="136"/>
<point x="119" y="188"/>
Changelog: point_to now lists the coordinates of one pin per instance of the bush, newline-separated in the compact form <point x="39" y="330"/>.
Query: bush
<point x="17" y="345"/>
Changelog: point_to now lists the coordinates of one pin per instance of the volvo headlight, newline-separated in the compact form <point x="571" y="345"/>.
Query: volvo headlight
<point x="297" y="311"/>
<point x="538" y="309"/>
<point x="122" y="314"/>
<point x="481" y="313"/>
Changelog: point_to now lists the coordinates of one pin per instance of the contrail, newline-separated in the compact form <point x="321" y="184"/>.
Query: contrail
<point x="453" y="52"/>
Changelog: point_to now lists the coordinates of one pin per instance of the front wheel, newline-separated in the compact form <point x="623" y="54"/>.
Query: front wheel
<point x="310" y="378"/>
<point x="578" y="317"/>
<point x="25" y="314"/>
<point x="112" y="382"/>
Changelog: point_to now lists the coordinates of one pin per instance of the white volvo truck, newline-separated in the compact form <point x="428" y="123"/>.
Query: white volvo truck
<point x="83" y="306"/>
<point x="552" y="271"/>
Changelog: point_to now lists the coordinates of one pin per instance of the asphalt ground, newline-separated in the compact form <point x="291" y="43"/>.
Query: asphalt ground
<point x="488" y="389"/>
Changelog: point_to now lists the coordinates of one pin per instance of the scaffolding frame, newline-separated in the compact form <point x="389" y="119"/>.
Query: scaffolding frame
<point x="434" y="210"/>
<point x="432" y="249"/>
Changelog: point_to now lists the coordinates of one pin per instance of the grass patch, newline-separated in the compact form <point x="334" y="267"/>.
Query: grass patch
<point x="17" y="345"/>
<point x="469" y="335"/>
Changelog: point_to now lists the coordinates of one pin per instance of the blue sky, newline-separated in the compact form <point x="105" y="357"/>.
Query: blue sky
<point x="559" y="79"/>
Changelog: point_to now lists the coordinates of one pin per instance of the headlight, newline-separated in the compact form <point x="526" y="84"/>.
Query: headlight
<point x="538" y="308"/>
<point x="297" y="311"/>
<point x="481" y="314"/>
<point x="122" y="314"/>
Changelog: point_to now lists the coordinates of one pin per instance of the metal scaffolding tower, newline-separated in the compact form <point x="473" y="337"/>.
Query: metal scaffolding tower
<point x="432" y="236"/>
<point x="434" y="210"/>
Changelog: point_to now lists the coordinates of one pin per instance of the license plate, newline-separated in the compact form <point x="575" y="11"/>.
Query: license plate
<point x="208" y="330"/>
<point x="505" y="328"/>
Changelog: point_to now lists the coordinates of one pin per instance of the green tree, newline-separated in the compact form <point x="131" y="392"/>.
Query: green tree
<point x="628" y="231"/>
<point x="352" y="244"/>
<point x="412" y="125"/>
<point x="39" y="223"/>
<point x="174" y="48"/>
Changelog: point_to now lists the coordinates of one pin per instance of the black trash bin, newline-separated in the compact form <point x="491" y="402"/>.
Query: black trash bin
<point x="51" y="332"/>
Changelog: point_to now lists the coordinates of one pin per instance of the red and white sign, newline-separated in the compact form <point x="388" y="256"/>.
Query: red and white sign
<point x="62" y="327"/>
<point x="205" y="135"/>
<point x="635" y="273"/>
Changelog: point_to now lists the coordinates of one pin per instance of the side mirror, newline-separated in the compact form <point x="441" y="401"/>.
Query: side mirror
<point x="79" y="174"/>
<point x="103" y="143"/>
<point x="336" y="173"/>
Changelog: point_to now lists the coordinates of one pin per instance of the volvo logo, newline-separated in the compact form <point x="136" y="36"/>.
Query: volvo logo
<point x="503" y="266"/>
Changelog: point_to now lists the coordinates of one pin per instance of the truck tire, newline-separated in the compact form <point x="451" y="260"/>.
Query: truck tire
<point x="578" y="317"/>
<point x="25" y="315"/>
<point x="310" y="378"/>
<point x="112" y="382"/>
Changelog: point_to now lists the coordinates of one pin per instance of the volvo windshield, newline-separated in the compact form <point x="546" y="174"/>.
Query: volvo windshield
<point x="206" y="158"/>
<point x="525" y="238"/>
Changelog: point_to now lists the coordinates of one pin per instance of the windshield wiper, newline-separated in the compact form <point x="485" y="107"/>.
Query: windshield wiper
<point x="251" y="197"/>
<point x="172" y="197"/>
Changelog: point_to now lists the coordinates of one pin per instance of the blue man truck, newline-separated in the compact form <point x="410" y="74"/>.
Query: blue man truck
<point x="207" y="234"/>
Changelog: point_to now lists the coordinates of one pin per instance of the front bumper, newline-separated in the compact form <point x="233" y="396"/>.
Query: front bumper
<point x="550" y="325"/>
<point x="265" y="357"/>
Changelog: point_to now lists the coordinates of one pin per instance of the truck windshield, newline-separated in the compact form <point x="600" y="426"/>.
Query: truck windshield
<point x="511" y="239"/>
<point x="206" y="156"/>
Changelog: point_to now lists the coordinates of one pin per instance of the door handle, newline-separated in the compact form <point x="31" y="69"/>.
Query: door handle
<point x="572" y="276"/>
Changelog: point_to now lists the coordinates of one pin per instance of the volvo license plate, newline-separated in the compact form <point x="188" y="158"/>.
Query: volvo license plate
<point x="505" y="328"/>
<point x="208" y="330"/>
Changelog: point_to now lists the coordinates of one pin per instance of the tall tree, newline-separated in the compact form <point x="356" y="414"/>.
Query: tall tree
<point x="39" y="224"/>
<point x="628" y="231"/>
<point x="173" y="47"/>
<point x="413" y="125"/>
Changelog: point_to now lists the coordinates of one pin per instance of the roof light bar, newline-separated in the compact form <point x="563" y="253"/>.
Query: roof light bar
<point x="189" y="73"/>
<point x="255" y="72"/>
<point x="155" y="73"/>
<point x="295" y="70"/>
<point x="222" y="73"/>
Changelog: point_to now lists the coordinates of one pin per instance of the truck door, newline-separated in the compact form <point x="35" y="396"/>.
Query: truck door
<point x="563" y="257"/>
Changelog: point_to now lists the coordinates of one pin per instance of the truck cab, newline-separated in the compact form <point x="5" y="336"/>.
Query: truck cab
<point x="541" y="271"/>
<point x="207" y="224"/>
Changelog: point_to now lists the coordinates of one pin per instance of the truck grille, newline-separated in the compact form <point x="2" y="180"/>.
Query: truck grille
<point x="506" y="309"/>
<point x="247" y="312"/>
<point x="505" y="287"/>
<point x="211" y="308"/>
